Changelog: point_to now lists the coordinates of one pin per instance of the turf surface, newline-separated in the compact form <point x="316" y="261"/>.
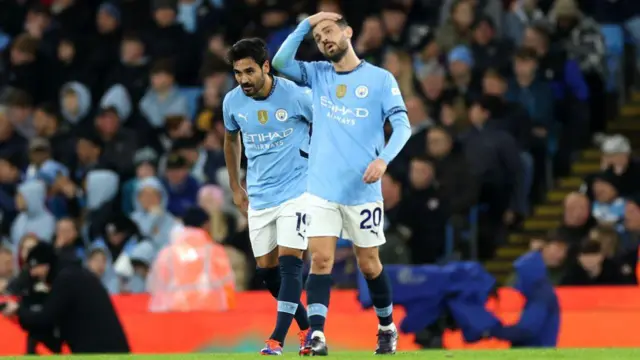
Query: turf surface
<point x="577" y="354"/>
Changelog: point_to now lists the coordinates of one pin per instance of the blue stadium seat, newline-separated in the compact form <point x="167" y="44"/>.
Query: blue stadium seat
<point x="469" y="234"/>
<point x="192" y="94"/>
<point x="614" y="40"/>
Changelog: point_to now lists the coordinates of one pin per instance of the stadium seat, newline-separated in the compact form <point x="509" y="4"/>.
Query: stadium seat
<point x="614" y="42"/>
<point x="193" y="95"/>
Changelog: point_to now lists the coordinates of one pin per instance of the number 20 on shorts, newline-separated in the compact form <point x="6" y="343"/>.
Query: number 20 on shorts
<point x="371" y="219"/>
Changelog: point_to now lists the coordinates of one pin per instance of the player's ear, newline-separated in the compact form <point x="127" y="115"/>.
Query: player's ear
<point x="266" y="67"/>
<point x="348" y="32"/>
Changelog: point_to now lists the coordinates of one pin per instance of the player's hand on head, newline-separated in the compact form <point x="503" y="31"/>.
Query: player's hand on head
<point x="374" y="171"/>
<point x="241" y="200"/>
<point x="321" y="16"/>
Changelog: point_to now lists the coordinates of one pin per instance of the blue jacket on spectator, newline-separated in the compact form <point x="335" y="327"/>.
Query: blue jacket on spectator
<point x="183" y="196"/>
<point x="154" y="225"/>
<point x="539" y="322"/>
<point x="427" y="292"/>
<point x="101" y="195"/>
<point x="155" y="110"/>
<point x="109" y="278"/>
<point x="35" y="218"/>
<point x="537" y="99"/>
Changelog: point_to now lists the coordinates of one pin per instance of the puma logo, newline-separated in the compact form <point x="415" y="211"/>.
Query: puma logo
<point x="243" y="116"/>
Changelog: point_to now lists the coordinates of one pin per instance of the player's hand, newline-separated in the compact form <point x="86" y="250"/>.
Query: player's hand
<point x="375" y="170"/>
<point x="241" y="200"/>
<point x="322" y="16"/>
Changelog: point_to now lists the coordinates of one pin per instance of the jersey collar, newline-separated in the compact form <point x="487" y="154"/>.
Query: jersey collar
<point x="273" y="88"/>
<point x="362" y="62"/>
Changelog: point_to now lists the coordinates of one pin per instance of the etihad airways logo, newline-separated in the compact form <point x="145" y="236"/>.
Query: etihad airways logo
<point x="341" y="113"/>
<point x="268" y="140"/>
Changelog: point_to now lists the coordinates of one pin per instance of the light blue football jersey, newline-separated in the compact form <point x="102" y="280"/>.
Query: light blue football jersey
<point x="275" y="136"/>
<point x="348" y="128"/>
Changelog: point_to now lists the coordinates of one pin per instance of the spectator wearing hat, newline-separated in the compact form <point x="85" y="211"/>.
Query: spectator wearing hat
<point x="106" y="43"/>
<point x="151" y="215"/>
<point x="494" y="159"/>
<point x="162" y="99"/>
<point x="101" y="201"/>
<point x="182" y="188"/>
<point x="142" y="258"/>
<point x="489" y="51"/>
<point x="47" y="125"/>
<point x="522" y="14"/>
<point x="146" y="163"/>
<point x="33" y="215"/>
<point x="607" y="206"/>
<point x="581" y="37"/>
<point x="75" y="105"/>
<point x="455" y="28"/>
<point x="617" y="159"/>
<point x="166" y="39"/>
<point x="370" y="43"/>
<point x="119" y="142"/>
<point x="77" y="304"/>
<point x="464" y="86"/>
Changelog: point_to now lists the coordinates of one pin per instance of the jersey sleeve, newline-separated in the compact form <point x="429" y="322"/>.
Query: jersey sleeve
<point x="392" y="102"/>
<point x="284" y="61"/>
<point x="305" y="101"/>
<point x="230" y="123"/>
<point x="394" y="109"/>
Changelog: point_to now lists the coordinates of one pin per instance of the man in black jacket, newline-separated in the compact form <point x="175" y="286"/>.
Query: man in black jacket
<point x="77" y="304"/>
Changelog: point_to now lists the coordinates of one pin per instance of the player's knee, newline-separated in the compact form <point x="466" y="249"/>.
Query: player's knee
<point x="321" y="262"/>
<point x="269" y="260"/>
<point x="286" y="251"/>
<point x="370" y="265"/>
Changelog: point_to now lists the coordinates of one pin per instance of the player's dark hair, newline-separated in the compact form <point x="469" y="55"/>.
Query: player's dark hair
<point x="253" y="48"/>
<point x="342" y="22"/>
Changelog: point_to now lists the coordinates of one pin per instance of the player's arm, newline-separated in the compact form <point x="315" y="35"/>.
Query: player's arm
<point x="395" y="111"/>
<point x="305" y="101"/>
<point x="232" y="156"/>
<point x="284" y="61"/>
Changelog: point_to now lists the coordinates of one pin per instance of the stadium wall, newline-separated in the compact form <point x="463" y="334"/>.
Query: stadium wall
<point x="592" y="317"/>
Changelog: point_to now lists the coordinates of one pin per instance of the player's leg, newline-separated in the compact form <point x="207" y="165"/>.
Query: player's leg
<point x="365" y="223"/>
<point x="262" y="234"/>
<point x="324" y="224"/>
<point x="291" y="244"/>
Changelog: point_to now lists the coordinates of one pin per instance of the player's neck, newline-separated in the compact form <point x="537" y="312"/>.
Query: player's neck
<point x="266" y="89"/>
<point x="349" y="62"/>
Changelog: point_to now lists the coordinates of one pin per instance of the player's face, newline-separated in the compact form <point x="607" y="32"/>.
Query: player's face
<point x="250" y="75"/>
<point x="332" y="40"/>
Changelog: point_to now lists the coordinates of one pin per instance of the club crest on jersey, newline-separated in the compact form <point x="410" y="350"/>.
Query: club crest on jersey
<point x="341" y="91"/>
<point x="362" y="91"/>
<point x="263" y="116"/>
<point x="282" y="115"/>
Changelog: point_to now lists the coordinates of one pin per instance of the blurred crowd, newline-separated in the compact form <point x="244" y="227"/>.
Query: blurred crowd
<point x="111" y="126"/>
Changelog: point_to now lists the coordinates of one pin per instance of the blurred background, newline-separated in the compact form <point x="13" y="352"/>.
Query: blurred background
<point x="524" y="117"/>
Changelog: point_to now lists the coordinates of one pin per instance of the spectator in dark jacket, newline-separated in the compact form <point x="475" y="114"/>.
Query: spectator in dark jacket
<point x="181" y="187"/>
<point x="495" y="161"/>
<point x="593" y="268"/>
<point x="119" y="143"/>
<point x="132" y="70"/>
<point x="77" y="304"/>
<point x="488" y="49"/>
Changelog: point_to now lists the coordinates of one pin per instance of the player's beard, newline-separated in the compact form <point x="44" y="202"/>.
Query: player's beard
<point x="255" y="88"/>
<point x="340" y="52"/>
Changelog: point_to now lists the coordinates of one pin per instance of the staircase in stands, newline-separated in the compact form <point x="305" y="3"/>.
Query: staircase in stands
<point x="547" y="215"/>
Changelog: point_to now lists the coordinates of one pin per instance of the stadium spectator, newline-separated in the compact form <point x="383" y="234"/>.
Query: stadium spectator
<point x="592" y="268"/>
<point x="577" y="220"/>
<point x="522" y="14"/>
<point x="489" y="50"/>
<point x="456" y="28"/>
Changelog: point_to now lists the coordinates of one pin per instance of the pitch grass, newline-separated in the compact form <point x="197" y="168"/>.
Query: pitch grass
<point x="552" y="354"/>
